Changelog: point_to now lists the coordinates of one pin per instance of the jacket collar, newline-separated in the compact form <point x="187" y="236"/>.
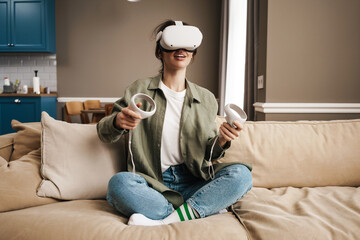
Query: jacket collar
<point x="191" y="90"/>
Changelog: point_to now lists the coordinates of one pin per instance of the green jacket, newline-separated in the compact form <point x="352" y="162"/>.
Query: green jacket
<point x="198" y="132"/>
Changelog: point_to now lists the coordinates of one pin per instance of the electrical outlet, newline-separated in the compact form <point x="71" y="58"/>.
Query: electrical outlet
<point x="260" y="84"/>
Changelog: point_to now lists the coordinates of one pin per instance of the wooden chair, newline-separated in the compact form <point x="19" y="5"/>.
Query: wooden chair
<point x="94" y="105"/>
<point x="88" y="104"/>
<point x="108" y="108"/>
<point x="74" y="109"/>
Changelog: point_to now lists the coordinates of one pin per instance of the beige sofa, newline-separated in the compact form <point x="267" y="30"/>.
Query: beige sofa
<point x="306" y="179"/>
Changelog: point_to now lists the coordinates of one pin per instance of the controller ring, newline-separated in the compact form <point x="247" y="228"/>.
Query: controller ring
<point x="143" y="114"/>
<point x="231" y="116"/>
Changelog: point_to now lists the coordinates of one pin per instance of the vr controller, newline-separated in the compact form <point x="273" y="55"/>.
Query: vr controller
<point x="234" y="113"/>
<point x="180" y="36"/>
<point x="143" y="114"/>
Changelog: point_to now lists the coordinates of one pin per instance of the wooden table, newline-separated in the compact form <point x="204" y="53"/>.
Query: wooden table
<point x="97" y="114"/>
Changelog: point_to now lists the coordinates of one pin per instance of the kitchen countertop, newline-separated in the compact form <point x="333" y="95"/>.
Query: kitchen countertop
<point x="52" y="94"/>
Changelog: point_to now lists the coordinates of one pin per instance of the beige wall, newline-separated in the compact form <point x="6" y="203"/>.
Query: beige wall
<point x="104" y="45"/>
<point x="309" y="50"/>
<point x="313" y="54"/>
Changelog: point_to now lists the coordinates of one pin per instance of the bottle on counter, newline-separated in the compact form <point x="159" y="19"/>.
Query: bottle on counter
<point x="25" y="89"/>
<point x="6" y="81"/>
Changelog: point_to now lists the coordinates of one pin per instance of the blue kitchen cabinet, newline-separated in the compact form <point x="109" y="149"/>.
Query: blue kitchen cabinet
<point x="25" y="109"/>
<point x="27" y="26"/>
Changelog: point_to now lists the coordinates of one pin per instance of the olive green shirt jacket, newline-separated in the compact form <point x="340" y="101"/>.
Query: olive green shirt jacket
<point x="198" y="132"/>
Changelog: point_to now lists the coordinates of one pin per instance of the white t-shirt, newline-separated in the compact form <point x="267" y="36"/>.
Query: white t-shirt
<point x="170" y="141"/>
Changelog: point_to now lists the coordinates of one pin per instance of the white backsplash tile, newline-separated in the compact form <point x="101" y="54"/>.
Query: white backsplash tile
<point x="22" y="66"/>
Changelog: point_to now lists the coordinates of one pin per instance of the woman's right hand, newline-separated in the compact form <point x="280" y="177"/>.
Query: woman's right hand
<point x="127" y="118"/>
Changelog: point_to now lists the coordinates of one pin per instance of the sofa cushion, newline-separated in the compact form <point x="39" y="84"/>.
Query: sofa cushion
<point x="299" y="154"/>
<point x="6" y="145"/>
<point x="301" y="213"/>
<point x="75" y="163"/>
<point x="26" y="139"/>
<point x="18" y="182"/>
<point x="96" y="219"/>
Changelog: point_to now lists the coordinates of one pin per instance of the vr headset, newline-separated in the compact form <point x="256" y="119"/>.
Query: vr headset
<point x="179" y="36"/>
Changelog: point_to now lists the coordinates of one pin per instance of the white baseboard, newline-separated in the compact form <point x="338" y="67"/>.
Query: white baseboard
<point x="82" y="99"/>
<point x="307" y="107"/>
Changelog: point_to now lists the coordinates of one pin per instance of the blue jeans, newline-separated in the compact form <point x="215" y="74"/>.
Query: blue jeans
<point x="131" y="194"/>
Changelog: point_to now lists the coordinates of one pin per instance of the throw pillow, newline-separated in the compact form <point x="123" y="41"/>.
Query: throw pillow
<point x="75" y="163"/>
<point x="18" y="182"/>
<point x="6" y="145"/>
<point x="26" y="139"/>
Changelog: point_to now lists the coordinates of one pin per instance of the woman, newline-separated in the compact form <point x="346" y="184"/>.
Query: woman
<point x="171" y="149"/>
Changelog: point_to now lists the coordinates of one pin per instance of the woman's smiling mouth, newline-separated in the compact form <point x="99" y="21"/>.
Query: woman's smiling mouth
<point x="180" y="56"/>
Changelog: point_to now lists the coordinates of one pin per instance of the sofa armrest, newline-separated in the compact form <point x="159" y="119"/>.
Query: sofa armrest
<point x="6" y="145"/>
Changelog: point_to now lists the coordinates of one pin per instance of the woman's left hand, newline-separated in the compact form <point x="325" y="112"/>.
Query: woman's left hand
<point x="229" y="133"/>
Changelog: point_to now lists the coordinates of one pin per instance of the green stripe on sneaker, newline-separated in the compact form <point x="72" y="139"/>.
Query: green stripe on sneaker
<point x="181" y="216"/>
<point x="187" y="211"/>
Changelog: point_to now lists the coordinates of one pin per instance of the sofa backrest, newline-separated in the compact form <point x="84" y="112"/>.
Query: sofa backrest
<point x="299" y="154"/>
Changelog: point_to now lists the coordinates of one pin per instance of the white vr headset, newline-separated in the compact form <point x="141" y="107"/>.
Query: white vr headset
<point x="179" y="36"/>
